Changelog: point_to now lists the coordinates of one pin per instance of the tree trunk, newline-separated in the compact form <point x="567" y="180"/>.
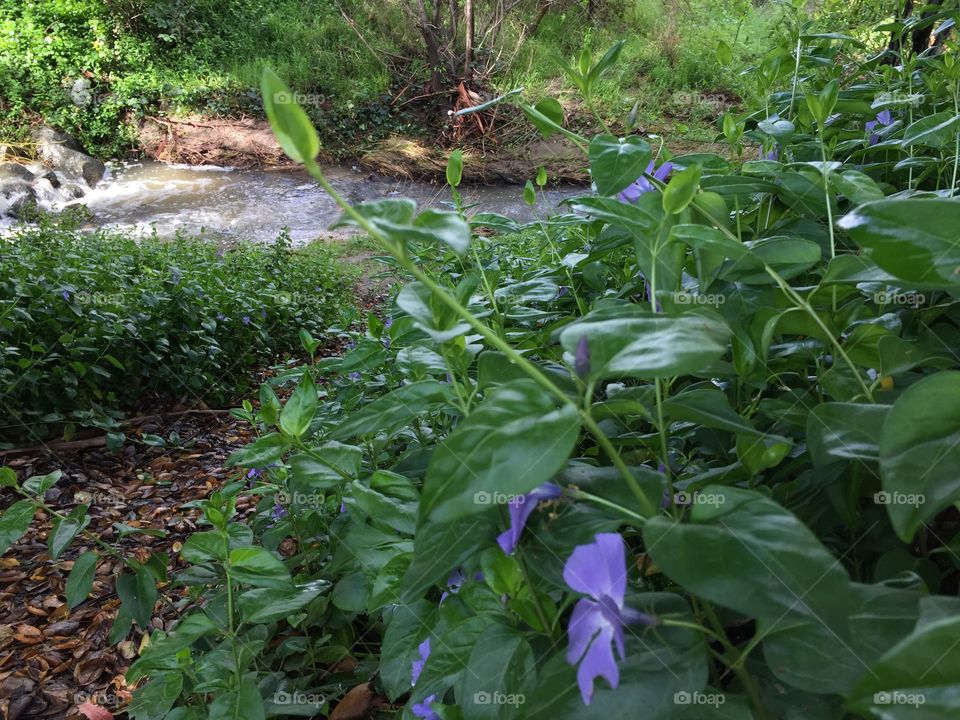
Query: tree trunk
<point x="428" y="30"/>
<point x="468" y="40"/>
<point x="542" y="10"/>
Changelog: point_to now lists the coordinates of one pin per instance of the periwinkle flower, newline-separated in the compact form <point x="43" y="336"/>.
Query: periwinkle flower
<point x="175" y="276"/>
<point x="884" y="118"/>
<point x="245" y="319"/>
<point x="355" y="376"/>
<point x="581" y="357"/>
<point x="278" y="512"/>
<point x="772" y="154"/>
<point x="66" y="295"/>
<point x="422" y="709"/>
<point x="598" y="570"/>
<point x="416" y="667"/>
<point x="221" y="317"/>
<point x="520" y="510"/>
<point x="641" y="185"/>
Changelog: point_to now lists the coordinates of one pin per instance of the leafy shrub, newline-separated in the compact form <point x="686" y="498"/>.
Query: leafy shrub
<point x="92" y="324"/>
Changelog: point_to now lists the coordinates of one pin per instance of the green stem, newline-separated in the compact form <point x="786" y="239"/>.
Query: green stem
<point x="491" y="337"/>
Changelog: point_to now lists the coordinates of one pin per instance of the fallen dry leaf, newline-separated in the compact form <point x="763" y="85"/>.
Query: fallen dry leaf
<point x="94" y="712"/>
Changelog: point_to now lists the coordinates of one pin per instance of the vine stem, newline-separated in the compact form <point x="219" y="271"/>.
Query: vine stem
<point x="489" y="335"/>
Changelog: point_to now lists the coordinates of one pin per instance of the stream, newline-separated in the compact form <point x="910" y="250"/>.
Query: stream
<point x="255" y="204"/>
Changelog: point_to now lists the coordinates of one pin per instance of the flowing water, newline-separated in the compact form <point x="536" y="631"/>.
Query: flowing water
<point x="256" y="204"/>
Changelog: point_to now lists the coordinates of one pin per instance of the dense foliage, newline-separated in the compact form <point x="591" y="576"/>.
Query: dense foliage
<point x="687" y="448"/>
<point x="95" y="68"/>
<point x="92" y="324"/>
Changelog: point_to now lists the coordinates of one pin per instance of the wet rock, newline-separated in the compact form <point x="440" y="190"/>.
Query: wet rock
<point x="62" y="152"/>
<point x="14" y="171"/>
<point x="16" y="196"/>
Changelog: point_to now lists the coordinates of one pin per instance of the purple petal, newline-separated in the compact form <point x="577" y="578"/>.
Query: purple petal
<point x="520" y="510"/>
<point x="585" y="622"/>
<point x="599" y="568"/>
<point x="663" y="171"/>
<point x="885" y="118"/>
<point x="581" y="357"/>
<point x="598" y="662"/>
<point x="423" y="710"/>
<point x="870" y="124"/>
<point x="416" y="667"/>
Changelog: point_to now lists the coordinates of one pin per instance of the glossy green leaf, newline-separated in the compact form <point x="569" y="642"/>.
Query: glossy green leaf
<point x="514" y="441"/>
<point x="290" y="123"/>
<point x="616" y="162"/>
<point x="920" y="452"/>
<point x="14" y="522"/>
<point x="80" y="579"/>
<point x="258" y="567"/>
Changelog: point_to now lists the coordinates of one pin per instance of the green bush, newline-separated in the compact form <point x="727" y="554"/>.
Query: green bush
<point x="91" y="324"/>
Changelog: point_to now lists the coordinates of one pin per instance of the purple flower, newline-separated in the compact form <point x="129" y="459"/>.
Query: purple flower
<point x="641" y="185"/>
<point x="563" y="291"/>
<point x="245" y="319"/>
<point x="279" y="511"/>
<point x="772" y="154"/>
<point x="422" y="709"/>
<point x="520" y="510"/>
<point x="66" y="295"/>
<point x="175" y="276"/>
<point x="355" y="376"/>
<point x="416" y="667"/>
<point x="581" y="357"/>
<point x="343" y="506"/>
<point x="254" y="472"/>
<point x="221" y="317"/>
<point x="884" y="118"/>
<point x="388" y="322"/>
<point x="263" y="314"/>
<point x="599" y="570"/>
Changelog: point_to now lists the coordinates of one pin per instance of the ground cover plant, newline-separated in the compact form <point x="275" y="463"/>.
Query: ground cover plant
<point x="687" y="447"/>
<point x="96" y="324"/>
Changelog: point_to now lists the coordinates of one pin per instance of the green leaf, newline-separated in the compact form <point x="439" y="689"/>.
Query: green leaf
<point x="455" y="168"/>
<point x="529" y="194"/>
<point x="445" y="227"/>
<point x="80" y="579"/>
<point x="65" y="530"/>
<point x="429" y="314"/>
<point x="617" y="162"/>
<point x="546" y="116"/>
<point x="297" y="414"/>
<point x="258" y="567"/>
<point x="401" y="516"/>
<point x="325" y="467"/>
<point x="681" y="189"/>
<point x="14" y="522"/>
<point x="264" y="605"/>
<point x="514" y="441"/>
<point x="913" y="239"/>
<point x="915" y="679"/>
<point x="724" y="54"/>
<point x="8" y="478"/>
<point x="744" y="551"/>
<point x="243" y="704"/>
<point x="627" y="341"/>
<point x="204" y="546"/>
<point x="920" y="452"/>
<point x="266" y="450"/>
<point x="39" y="484"/>
<point x="845" y="431"/>
<point x="501" y="662"/>
<point x="441" y="546"/>
<point x="934" y="131"/>
<point x="788" y="256"/>
<point x="290" y="123"/>
<point x="708" y="406"/>
<point x="407" y="627"/>
<point x="352" y="592"/>
<point x="154" y="700"/>
<point x="138" y="593"/>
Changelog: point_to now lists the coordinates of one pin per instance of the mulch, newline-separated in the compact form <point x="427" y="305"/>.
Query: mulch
<point x="52" y="660"/>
